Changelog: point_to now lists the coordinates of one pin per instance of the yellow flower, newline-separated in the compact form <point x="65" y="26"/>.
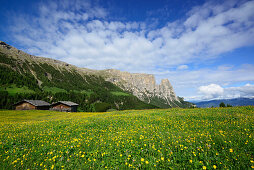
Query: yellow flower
<point x="52" y="167"/>
<point x="147" y="162"/>
<point x="230" y="150"/>
<point x="142" y="159"/>
<point x="121" y="155"/>
<point x="190" y="161"/>
<point x="204" y="167"/>
<point x="162" y="158"/>
<point x="214" y="166"/>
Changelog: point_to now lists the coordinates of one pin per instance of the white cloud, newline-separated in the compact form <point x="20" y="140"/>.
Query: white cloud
<point x="214" y="91"/>
<point x="80" y="34"/>
<point x="242" y="91"/>
<point x="211" y="91"/>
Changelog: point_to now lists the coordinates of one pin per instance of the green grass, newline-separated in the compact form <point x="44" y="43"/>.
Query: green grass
<point x="219" y="138"/>
<point x="13" y="89"/>
<point x="118" y="93"/>
<point x="88" y="93"/>
<point x="53" y="89"/>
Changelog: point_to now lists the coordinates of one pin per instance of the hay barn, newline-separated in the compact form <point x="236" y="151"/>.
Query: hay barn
<point x="65" y="106"/>
<point x="32" y="105"/>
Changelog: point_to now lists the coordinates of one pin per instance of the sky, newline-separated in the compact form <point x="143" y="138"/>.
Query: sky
<point x="204" y="47"/>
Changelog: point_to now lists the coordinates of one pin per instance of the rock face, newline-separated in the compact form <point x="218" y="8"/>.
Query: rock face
<point x="142" y="85"/>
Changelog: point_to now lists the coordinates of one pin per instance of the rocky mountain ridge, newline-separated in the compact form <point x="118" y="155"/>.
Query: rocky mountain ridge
<point x="141" y="85"/>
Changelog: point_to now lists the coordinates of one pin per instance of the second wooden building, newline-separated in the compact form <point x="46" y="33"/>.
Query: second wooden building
<point x="65" y="106"/>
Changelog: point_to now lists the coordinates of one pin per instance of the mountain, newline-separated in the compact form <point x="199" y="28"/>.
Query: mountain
<point x="233" y="102"/>
<point x="26" y="76"/>
<point x="144" y="87"/>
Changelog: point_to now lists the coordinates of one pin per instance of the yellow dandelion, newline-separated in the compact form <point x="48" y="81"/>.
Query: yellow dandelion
<point x="147" y="162"/>
<point x="204" y="167"/>
<point x="142" y="159"/>
<point x="190" y="161"/>
<point x="214" y="166"/>
<point x="230" y="150"/>
<point x="162" y="158"/>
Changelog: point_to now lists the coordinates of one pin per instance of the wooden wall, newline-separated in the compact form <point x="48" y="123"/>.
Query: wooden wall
<point x="62" y="107"/>
<point x="25" y="106"/>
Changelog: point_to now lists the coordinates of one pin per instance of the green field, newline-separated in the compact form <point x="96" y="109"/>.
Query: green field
<point x="215" y="138"/>
<point x="12" y="89"/>
<point x="54" y="89"/>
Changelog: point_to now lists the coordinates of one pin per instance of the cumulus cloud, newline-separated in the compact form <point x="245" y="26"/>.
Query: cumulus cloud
<point x="79" y="33"/>
<point x="211" y="91"/>
<point x="215" y="91"/>
<point x="242" y="91"/>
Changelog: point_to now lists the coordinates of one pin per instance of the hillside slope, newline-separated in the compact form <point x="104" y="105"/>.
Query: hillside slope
<point x="52" y="80"/>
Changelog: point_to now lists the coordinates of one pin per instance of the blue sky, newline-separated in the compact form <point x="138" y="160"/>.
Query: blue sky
<point x="205" y="48"/>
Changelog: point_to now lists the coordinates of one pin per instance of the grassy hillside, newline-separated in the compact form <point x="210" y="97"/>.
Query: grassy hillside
<point x="23" y="79"/>
<point x="216" y="138"/>
<point x="13" y="89"/>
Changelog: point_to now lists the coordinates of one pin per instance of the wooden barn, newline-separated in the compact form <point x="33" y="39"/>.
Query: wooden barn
<point x="65" y="106"/>
<point x="32" y="105"/>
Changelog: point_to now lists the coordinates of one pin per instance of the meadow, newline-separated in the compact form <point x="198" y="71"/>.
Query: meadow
<point x="214" y="138"/>
<point x="13" y="89"/>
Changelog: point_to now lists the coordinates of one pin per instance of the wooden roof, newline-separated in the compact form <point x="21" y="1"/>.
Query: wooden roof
<point x="68" y="103"/>
<point x="34" y="102"/>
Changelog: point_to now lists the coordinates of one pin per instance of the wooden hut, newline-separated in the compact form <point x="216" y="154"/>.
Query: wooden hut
<point x="32" y="105"/>
<point x="65" y="106"/>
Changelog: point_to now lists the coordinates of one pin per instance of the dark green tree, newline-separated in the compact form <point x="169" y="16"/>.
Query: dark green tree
<point x="222" y="104"/>
<point x="228" y="105"/>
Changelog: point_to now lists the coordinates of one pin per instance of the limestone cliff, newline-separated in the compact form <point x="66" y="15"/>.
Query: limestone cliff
<point x="143" y="86"/>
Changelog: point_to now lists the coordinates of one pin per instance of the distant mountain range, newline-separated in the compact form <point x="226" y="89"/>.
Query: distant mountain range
<point x="24" y="76"/>
<point x="233" y="102"/>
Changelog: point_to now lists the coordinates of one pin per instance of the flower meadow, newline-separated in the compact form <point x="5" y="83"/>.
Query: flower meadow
<point x="214" y="138"/>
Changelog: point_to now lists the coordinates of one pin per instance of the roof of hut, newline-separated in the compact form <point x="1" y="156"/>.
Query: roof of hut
<point x="68" y="103"/>
<point x="35" y="102"/>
